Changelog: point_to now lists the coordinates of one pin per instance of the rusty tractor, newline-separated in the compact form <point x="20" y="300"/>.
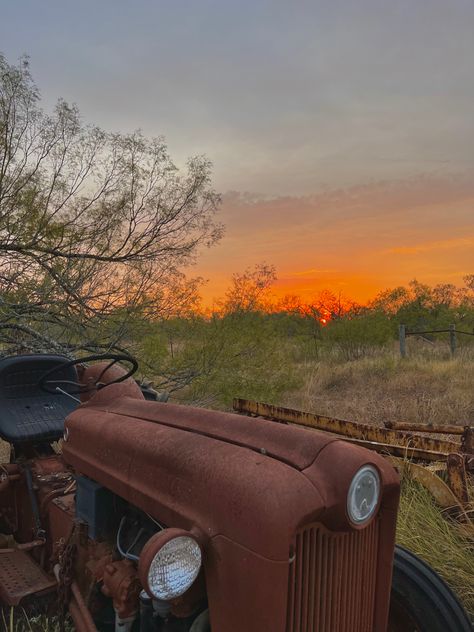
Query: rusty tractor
<point x="154" y="517"/>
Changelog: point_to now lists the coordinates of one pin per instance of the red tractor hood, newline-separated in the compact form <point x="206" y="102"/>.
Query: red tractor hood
<point x="247" y="479"/>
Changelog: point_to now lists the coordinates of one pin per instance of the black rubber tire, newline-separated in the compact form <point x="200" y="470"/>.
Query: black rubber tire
<point x="421" y="601"/>
<point x="201" y="623"/>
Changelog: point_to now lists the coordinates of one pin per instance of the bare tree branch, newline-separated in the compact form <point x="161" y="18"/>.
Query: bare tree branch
<point x="93" y="225"/>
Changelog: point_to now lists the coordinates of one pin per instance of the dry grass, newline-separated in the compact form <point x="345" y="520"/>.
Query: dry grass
<point x="426" y="387"/>
<point x="423" y="529"/>
<point x="17" y="620"/>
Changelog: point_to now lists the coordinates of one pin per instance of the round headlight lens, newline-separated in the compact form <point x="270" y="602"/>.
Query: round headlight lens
<point x="174" y="568"/>
<point x="363" y="496"/>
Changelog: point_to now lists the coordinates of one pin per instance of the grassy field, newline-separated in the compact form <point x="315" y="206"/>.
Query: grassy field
<point x="428" y="386"/>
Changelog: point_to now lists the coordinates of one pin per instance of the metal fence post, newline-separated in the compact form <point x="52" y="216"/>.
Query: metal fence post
<point x="402" y="338"/>
<point x="452" y="338"/>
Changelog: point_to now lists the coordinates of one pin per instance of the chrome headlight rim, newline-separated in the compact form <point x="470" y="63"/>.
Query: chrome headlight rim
<point x="155" y="551"/>
<point x="372" y="473"/>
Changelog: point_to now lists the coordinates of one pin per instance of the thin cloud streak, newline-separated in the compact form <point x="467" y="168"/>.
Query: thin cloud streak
<point x="448" y="244"/>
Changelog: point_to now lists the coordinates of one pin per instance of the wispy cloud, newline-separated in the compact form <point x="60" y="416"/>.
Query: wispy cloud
<point x="445" y="244"/>
<point x="311" y="272"/>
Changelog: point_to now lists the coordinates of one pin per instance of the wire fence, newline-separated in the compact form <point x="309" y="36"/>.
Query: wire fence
<point x="403" y="333"/>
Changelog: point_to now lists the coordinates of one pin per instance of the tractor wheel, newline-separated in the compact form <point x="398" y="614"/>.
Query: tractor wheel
<point x="421" y="601"/>
<point x="201" y="623"/>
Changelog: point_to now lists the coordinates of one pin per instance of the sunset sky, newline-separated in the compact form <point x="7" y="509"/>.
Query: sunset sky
<point x="342" y="132"/>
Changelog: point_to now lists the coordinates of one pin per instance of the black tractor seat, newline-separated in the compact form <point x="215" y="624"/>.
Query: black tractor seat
<point x="28" y="414"/>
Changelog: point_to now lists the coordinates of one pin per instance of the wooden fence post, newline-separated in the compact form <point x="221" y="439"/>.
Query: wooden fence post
<point x="402" y="338"/>
<point x="452" y="338"/>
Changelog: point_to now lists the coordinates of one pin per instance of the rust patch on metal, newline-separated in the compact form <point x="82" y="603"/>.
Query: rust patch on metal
<point x="20" y="577"/>
<point x="441" y="492"/>
<point x="45" y="465"/>
<point x="467" y="441"/>
<point x="83" y="621"/>
<point x="450" y="429"/>
<point x="429" y="448"/>
<point x="457" y="478"/>
<point x="60" y="522"/>
<point x="121" y="584"/>
<point x="343" y="567"/>
<point x="78" y="600"/>
<point x="403" y="452"/>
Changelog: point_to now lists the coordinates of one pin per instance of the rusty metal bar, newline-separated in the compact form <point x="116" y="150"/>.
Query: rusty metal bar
<point x="467" y="442"/>
<point x="25" y="546"/>
<point x="441" y="492"/>
<point x="80" y="612"/>
<point x="427" y="447"/>
<point x="430" y="428"/>
<point x="404" y="452"/>
<point x="80" y="624"/>
<point x="457" y="478"/>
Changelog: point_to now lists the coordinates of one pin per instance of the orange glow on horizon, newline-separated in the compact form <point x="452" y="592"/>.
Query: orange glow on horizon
<point x="353" y="242"/>
<point x="301" y="291"/>
<point x="352" y="290"/>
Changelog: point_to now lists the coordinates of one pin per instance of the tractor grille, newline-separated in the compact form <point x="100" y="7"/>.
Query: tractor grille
<point x="332" y="580"/>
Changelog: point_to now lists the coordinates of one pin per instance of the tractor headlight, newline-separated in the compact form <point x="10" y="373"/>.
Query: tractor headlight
<point x="363" y="495"/>
<point x="169" y="563"/>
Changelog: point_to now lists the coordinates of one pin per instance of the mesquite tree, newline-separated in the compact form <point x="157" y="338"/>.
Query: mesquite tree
<point x="95" y="227"/>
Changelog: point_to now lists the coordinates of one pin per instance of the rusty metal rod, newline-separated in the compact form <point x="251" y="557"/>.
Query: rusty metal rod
<point x="80" y="624"/>
<point x="404" y="452"/>
<point x="48" y="498"/>
<point x="26" y="546"/>
<point x="457" y="478"/>
<point x="83" y="611"/>
<point x="351" y="429"/>
<point x="440" y="491"/>
<point x="431" y="428"/>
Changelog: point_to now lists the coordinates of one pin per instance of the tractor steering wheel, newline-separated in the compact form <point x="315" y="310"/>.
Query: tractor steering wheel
<point x="54" y="386"/>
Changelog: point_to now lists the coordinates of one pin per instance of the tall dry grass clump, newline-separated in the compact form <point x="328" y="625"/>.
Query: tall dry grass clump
<point x="17" y="620"/>
<point x="442" y="543"/>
